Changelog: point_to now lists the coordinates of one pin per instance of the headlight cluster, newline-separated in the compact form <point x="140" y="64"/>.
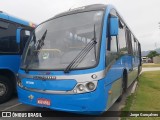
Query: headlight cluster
<point x="19" y="82"/>
<point x="85" y="87"/>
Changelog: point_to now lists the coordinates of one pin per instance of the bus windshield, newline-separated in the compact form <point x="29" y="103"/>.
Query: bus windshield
<point x="57" y="42"/>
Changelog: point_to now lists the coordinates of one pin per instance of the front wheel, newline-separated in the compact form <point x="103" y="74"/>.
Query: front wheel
<point x="6" y="89"/>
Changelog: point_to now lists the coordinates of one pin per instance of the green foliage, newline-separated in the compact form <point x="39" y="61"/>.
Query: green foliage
<point x="152" y="54"/>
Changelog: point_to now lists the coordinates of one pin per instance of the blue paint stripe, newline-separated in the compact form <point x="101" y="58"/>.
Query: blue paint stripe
<point x="14" y="19"/>
<point x="3" y="16"/>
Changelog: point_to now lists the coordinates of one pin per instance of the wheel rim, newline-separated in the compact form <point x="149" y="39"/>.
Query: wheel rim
<point x="2" y="89"/>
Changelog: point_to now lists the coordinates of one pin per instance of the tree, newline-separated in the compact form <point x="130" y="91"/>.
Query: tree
<point x="152" y="54"/>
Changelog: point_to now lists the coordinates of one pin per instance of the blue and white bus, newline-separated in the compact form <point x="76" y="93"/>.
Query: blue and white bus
<point x="79" y="61"/>
<point x="14" y="33"/>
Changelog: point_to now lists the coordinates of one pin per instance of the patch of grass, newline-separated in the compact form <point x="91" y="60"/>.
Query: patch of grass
<point x="128" y="103"/>
<point x="150" y="65"/>
<point x="147" y="95"/>
<point x="127" y="107"/>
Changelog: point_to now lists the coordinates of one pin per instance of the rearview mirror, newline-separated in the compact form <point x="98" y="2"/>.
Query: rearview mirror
<point x="114" y="25"/>
<point x="27" y="33"/>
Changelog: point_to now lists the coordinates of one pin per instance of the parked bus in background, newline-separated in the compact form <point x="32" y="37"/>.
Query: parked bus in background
<point x="14" y="33"/>
<point x="79" y="61"/>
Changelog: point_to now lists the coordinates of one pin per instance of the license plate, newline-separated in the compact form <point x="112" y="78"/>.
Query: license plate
<point x="42" y="101"/>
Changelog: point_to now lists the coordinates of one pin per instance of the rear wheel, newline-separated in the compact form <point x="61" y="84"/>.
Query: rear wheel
<point x="6" y="89"/>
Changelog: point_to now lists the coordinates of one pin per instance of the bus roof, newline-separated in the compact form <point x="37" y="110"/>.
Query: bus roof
<point x="90" y="8"/>
<point x="83" y="9"/>
<point x="8" y="17"/>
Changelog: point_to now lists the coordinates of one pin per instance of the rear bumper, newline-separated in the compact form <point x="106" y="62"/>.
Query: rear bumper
<point x="87" y="103"/>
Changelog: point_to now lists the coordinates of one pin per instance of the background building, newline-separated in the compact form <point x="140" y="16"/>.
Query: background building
<point x="156" y="59"/>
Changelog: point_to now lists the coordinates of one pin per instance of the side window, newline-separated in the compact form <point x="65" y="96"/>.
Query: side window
<point x="122" y="39"/>
<point x="8" y="42"/>
<point x="133" y="44"/>
<point x="111" y="52"/>
<point x="139" y="50"/>
<point x="139" y="53"/>
<point x="129" y="42"/>
<point x="136" y="48"/>
<point x="113" y="45"/>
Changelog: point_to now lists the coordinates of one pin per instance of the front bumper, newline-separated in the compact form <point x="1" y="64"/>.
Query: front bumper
<point x="87" y="103"/>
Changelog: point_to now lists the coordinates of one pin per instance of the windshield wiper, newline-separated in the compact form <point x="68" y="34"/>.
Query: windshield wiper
<point x="82" y="54"/>
<point x="40" y="44"/>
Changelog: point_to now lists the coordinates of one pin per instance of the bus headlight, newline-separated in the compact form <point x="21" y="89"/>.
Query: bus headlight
<point x="85" y="87"/>
<point x="19" y="82"/>
<point x="90" y="86"/>
<point x="80" y="87"/>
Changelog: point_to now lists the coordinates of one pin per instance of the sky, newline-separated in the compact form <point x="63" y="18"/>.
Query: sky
<point x="142" y="16"/>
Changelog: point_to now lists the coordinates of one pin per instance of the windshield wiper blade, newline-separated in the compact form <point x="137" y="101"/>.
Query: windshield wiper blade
<point x="40" y="44"/>
<point x="82" y="54"/>
<point x="41" y="41"/>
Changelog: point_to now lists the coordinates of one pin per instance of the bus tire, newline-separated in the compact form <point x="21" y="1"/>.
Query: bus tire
<point x="124" y="86"/>
<point x="6" y="89"/>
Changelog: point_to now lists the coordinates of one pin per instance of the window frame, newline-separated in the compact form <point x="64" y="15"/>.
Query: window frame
<point x="17" y="25"/>
<point x="129" y="41"/>
<point x="126" y="42"/>
<point x="22" y="46"/>
<point x="108" y="43"/>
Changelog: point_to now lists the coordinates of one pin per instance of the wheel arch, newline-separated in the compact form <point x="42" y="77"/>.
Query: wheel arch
<point x="9" y="74"/>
